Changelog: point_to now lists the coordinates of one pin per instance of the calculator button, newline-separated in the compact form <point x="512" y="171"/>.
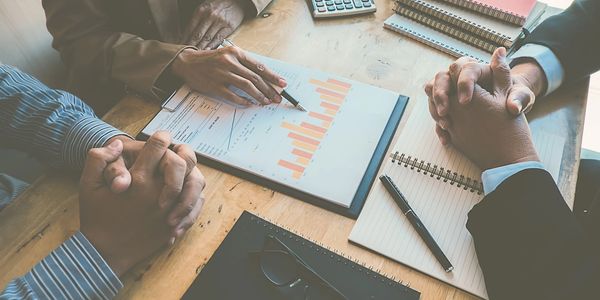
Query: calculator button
<point x="320" y="4"/>
<point x="338" y="2"/>
<point x="329" y="3"/>
<point x="357" y="4"/>
<point x="331" y="8"/>
<point x="318" y="0"/>
<point x="321" y="9"/>
<point x="347" y="1"/>
<point x="367" y="4"/>
<point x="349" y="6"/>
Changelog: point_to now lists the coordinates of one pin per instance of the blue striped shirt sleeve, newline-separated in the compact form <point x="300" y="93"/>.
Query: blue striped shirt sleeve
<point x="52" y="125"/>
<point x="74" y="270"/>
<point x="59" y="129"/>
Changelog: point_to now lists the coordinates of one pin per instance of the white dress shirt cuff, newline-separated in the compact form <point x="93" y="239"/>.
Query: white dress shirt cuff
<point x="492" y="178"/>
<point x="546" y="59"/>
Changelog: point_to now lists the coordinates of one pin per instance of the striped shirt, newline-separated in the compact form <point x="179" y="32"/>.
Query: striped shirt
<point x="58" y="128"/>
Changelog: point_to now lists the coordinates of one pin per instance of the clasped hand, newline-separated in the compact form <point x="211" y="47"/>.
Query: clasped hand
<point x="478" y="109"/>
<point x="137" y="197"/>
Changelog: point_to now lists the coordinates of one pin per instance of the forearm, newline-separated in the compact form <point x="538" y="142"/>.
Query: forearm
<point x="74" y="270"/>
<point x="95" y="49"/>
<point x="52" y="125"/>
<point x="572" y="37"/>
<point x="529" y="243"/>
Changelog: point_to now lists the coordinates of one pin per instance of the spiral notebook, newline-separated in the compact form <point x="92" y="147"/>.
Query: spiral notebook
<point x="233" y="273"/>
<point x="455" y="20"/>
<point x="512" y="11"/>
<point x="434" y="38"/>
<point x="442" y="186"/>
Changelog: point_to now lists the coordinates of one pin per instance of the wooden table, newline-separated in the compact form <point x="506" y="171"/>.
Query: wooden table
<point x="358" y="48"/>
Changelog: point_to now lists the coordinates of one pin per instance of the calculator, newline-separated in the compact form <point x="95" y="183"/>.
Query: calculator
<point x="337" y="8"/>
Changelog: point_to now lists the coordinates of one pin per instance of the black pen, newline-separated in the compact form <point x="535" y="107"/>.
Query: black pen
<point x="283" y="93"/>
<point x="416" y="222"/>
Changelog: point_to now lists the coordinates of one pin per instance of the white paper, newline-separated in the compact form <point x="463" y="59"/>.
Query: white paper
<point x="344" y="124"/>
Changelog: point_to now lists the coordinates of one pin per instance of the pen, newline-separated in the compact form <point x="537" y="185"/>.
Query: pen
<point x="416" y="222"/>
<point x="283" y="93"/>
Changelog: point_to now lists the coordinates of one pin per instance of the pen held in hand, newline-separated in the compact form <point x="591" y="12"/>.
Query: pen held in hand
<point x="282" y="92"/>
<point x="416" y="222"/>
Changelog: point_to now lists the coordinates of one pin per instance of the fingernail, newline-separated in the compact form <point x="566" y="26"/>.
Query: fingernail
<point x="282" y="82"/>
<point x="443" y="124"/>
<point x="172" y="241"/>
<point x="439" y="110"/>
<point x="266" y="100"/>
<point x="519" y="104"/>
<point x="114" y="144"/>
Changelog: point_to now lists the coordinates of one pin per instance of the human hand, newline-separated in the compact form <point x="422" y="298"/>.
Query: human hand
<point x="483" y="129"/>
<point x="182" y="181"/>
<point x="527" y="79"/>
<point x="213" y="71"/>
<point x="212" y="22"/>
<point x="126" y="227"/>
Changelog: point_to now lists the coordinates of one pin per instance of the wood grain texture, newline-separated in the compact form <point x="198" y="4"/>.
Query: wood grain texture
<point x="358" y="48"/>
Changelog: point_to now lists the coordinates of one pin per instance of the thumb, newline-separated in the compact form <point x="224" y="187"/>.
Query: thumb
<point x="97" y="160"/>
<point x="520" y="99"/>
<point x="500" y="71"/>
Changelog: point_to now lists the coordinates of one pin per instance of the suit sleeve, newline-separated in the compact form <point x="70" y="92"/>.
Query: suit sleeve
<point x="573" y="37"/>
<point x="93" y="50"/>
<point x="529" y="244"/>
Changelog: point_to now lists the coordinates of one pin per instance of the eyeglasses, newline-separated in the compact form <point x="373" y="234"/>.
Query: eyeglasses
<point x="285" y="269"/>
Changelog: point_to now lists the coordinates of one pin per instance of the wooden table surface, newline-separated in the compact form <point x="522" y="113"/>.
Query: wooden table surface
<point x="358" y="48"/>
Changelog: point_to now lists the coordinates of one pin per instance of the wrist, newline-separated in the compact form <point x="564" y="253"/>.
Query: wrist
<point x="117" y="261"/>
<point x="179" y="64"/>
<point x="531" y="75"/>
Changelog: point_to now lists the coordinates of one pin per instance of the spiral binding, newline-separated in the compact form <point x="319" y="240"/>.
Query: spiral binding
<point x="446" y="29"/>
<point x="359" y="266"/>
<point x="458" y="21"/>
<point x="466" y="183"/>
<point x="489" y="10"/>
<point x="431" y="42"/>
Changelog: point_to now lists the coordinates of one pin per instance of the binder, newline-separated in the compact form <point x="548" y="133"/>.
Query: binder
<point x="232" y="273"/>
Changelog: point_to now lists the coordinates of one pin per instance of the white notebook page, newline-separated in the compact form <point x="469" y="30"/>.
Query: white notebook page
<point x="442" y="207"/>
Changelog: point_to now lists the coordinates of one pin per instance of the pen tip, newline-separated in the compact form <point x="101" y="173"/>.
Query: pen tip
<point x="300" y="107"/>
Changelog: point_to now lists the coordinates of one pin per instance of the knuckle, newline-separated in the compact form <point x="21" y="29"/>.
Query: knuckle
<point x="441" y="75"/>
<point x="439" y="95"/>
<point x="255" y="79"/>
<point x="160" y="139"/>
<point x="95" y="153"/>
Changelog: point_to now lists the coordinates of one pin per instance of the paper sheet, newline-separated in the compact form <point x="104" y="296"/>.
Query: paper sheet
<point x="324" y="152"/>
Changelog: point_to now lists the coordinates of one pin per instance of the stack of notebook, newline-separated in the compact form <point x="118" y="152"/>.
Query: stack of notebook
<point x="468" y="27"/>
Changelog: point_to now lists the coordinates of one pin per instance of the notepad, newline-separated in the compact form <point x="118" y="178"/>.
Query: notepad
<point x="304" y="154"/>
<point x="442" y="186"/>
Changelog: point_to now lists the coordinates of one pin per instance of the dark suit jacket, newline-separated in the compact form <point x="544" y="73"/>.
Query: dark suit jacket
<point x="529" y="243"/>
<point x="574" y="37"/>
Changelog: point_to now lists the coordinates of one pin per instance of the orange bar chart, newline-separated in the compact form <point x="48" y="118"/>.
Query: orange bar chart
<point x="307" y="136"/>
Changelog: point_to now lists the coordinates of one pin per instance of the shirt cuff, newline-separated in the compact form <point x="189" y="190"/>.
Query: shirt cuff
<point x="75" y="270"/>
<point x="86" y="133"/>
<point x="492" y="178"/>
<point x="546" y="59"/>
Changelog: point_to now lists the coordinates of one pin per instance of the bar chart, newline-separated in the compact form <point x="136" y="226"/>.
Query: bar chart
<point x="306" y="136"/>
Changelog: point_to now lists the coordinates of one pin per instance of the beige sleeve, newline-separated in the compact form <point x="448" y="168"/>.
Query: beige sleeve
<point x="93" y="51"/>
